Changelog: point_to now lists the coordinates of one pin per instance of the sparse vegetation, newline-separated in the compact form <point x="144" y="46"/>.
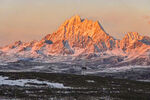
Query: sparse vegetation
<point x="81" y="88"/>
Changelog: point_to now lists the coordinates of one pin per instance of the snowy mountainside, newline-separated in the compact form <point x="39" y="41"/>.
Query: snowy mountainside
<point x="78" y="39"/>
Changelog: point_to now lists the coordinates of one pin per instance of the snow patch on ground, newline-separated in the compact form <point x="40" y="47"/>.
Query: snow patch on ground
<point x="38" y="67"/>
<point x="90" y="81"/>
<point x="24" y="82"/>
<point x="144" y="80"/>
<point x="115" y="69"/>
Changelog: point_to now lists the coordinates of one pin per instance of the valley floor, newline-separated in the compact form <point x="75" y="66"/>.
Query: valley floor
<point x="73" y="80"/>
<point x="51" y="86"/>
<point x="132" y="72"/>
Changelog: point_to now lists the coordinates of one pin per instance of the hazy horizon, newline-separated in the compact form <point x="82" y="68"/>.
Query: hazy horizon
<point x="28" y="20"/>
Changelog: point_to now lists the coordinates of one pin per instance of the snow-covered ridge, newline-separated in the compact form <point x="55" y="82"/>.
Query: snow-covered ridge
<point x="77" y="37"/>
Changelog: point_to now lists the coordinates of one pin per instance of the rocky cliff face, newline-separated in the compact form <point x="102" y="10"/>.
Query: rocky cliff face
<point x="80" y="33"/>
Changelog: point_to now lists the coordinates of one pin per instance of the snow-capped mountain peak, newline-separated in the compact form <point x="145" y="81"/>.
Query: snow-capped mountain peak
<point x="76" y="37"/>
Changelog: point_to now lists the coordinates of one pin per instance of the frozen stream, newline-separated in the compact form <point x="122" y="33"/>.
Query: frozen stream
<point x="24" y="82"/>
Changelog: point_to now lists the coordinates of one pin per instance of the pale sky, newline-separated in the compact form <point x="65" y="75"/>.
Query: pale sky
<point x="28" y="20"/>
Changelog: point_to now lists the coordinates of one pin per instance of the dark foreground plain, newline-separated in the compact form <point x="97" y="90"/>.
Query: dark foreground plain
<point x="77" y="87"/>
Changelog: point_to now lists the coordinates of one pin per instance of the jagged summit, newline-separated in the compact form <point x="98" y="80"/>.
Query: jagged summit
<point x="76" y="18"/>
<point x="80" y="33"/>
<point x="73" y="20"/>
<point x="76" y="26"/>
<point x="133" y="35"/>
<point x="77" y="21"/>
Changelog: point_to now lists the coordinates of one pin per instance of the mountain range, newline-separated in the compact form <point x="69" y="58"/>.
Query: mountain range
<point x="85" y="39"/>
